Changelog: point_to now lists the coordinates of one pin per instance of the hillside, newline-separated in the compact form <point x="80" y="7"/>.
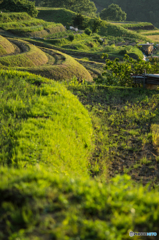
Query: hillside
<point x="79" y="145"/>
<point x="64" y="16"/>
<point x="23" y="25"/>
<point x="48" y="63"/>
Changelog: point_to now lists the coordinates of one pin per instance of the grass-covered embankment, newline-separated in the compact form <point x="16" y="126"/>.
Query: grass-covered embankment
<point x="36" y="60"/>
<point x="6" y="47"/>
<point x="43" y="126"/>
<point x="23" y="25"/>
<point x="136" y="25"/>
<point x="64" y="66"/>
<point x="32" y="56"/>
<point x="42" y="206"/>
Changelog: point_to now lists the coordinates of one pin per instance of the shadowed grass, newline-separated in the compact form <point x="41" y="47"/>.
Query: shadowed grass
<point x="122" y="119"/>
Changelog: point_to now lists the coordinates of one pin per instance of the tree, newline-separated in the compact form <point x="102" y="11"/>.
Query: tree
<point x="74" y="5"/>
<point x="96" y="24"/>
<point x="19" y="6"/>
<point x="78" y="21"/>
<point x="113" y="13"/>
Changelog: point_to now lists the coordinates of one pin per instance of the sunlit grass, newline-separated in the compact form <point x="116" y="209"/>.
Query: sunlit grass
<point x="42" y="127"/>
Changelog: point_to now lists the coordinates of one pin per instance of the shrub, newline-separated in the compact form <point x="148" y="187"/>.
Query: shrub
<point x="123" y="52"/>
<point x="71" y="37"/>
<point x="88" y="31"/>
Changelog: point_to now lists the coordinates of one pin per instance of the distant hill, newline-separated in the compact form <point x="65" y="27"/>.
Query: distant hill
<point x="137" y="10"/>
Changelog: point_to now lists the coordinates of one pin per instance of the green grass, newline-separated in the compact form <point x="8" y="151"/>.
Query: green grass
<point x="136" y="25"/>
<point x="36" y="205"/>
<point x="58" y="15"/>
<point x="84" y="44"/>
<point x="27" y="26"/>
<point x="65" y="16"/>
<point x="43" y="126"/>
<point x="122" y="119"/>
<point x="14" y="17"/>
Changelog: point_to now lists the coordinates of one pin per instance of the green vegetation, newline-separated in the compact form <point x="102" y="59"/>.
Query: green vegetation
<point x="33" y="57"/>
<point x="84" y="6"/>
<point x="19" y="6"/>
<point x="42" y="125"/>
<point x="57" y="15"/>
<point x="27" y="26"/>
<point x="137" y="10"/>
<point x="36" y="60"/>
<point x="63" y="143"/>
<point x="14" y="17"/>
<point x="119" y="73"/>
<point x="66" y="18"/>
<point x="113" y="13"/>
<point x="138" y="26"/>
<point x="88" y="31"/>
<point x="44" y="206"/>
<point x="121" y="120"/>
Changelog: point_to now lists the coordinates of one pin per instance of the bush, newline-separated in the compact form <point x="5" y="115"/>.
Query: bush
<point x="88" y="31"/>
<point x="71" y="37"/>
<point x="123" y="52"/>
<point x="119" y="73"/>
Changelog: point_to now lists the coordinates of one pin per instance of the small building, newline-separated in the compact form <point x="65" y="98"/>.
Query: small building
<point x="147" y="48"/>
<point x="149" y="81"/>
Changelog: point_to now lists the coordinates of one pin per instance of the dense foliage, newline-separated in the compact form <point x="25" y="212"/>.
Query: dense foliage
<point x="119" y="73"/>
<point x="37" y="205"/>
<point x="113" y="13"/>
<point x="19" y="6"/>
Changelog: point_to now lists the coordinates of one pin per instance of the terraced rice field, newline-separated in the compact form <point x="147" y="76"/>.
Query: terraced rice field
<point x="47" y="62"/>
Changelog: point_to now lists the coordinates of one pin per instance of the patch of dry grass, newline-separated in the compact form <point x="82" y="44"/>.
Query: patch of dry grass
<point x="33" y="57"/>
<point x="65" y="68"/>
<point x="5" y="46"/>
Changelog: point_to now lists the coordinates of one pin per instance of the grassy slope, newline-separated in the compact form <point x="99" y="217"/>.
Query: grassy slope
<point x="43" y="126"/>
<point x="83" y="43"/>
<point x="34" y="60"/>
<point x="24" y="25"/>
<point x="34" y="57"/>
<point x="42" y="206"/>
<point x="66" y="69"/>
<point x="136" y="25"/>
<point x="5" y="46"/>
<point x="64" y="16"/>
